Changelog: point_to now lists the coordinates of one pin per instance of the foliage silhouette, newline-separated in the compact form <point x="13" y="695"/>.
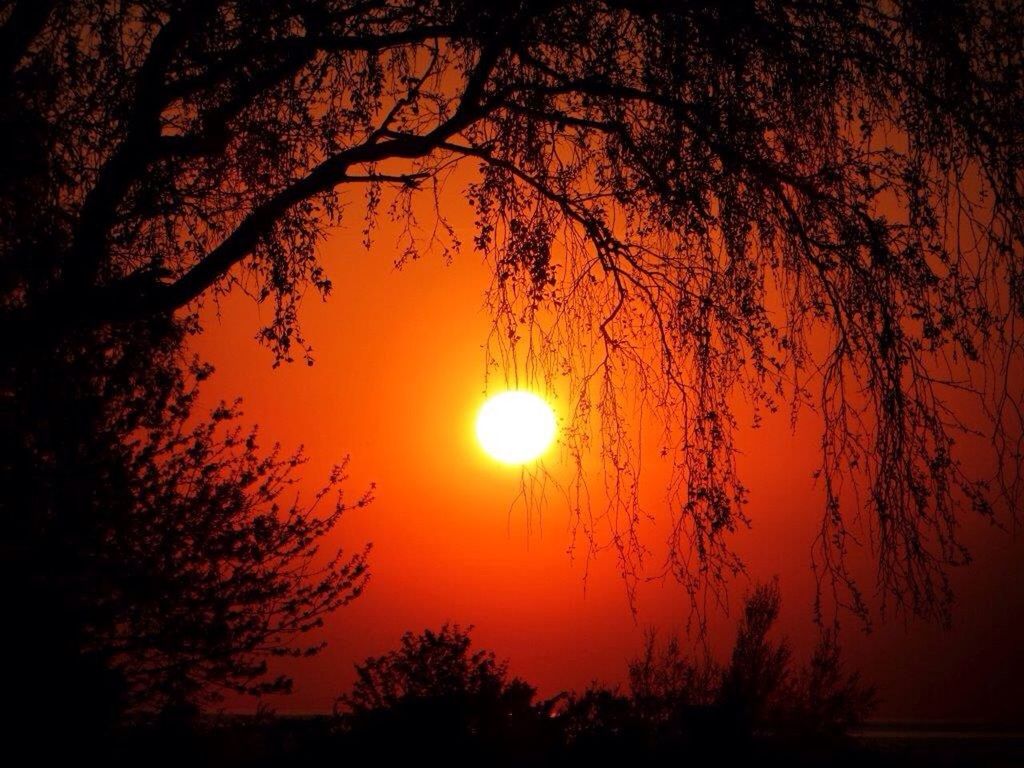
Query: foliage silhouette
<point x="827" y="701"/>
<point x="226" y="571"/>
<point x="434" y="695"/>
<point x="680" y="705"/>
<point x="155" y="559"/>
<point x="602" y="723"/>
<point x="665" y="177"/>
<point x="673" y="693"/>
<point x="442" y="698"/>
<point x="755" y="684"/>
<point x="712" y="198"/>
<point x="437" y="698"/>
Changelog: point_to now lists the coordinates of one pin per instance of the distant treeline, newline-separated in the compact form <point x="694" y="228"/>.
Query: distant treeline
<point x="436" y="697"/>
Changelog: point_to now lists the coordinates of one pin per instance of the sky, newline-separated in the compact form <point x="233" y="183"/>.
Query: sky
<point x="399" y="375"/>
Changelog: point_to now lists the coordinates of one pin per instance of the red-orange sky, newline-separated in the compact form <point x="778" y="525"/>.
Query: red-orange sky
<point x="398" y="377"/>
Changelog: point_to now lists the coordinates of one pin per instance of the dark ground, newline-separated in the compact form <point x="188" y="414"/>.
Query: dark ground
<point x="228" y="741"/>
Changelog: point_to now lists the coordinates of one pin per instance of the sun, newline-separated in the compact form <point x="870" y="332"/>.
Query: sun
<point x="515" y="427"/>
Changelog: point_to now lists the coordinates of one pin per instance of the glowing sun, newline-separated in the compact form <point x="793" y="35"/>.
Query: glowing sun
<point x="515" y="427"/>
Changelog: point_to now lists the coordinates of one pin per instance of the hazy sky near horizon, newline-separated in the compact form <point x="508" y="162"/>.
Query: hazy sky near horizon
<point x="398" y="378"/>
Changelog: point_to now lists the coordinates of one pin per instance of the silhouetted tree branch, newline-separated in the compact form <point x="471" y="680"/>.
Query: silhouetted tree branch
<point x="155" y="546"/>
<point x="683" y="203"/>
<point x="210" y="570"/>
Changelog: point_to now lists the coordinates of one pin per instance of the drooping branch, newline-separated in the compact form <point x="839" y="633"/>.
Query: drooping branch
<point x="683" y="204"/>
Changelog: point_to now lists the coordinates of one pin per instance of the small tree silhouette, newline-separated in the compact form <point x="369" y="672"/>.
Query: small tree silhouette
<point x="755" y="683"/>
<point x="163" y="559"/>
<point x="214" y="565"/>
<point x="761" y="690"/>
<point x="663" y="675"/>
<point x="435" y="695"/>
<point x="827" y="701"/>
<point x="440" y="695"/>
<point x="682" y="703"/>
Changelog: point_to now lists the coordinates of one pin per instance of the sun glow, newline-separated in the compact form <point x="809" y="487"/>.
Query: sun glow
<point x="515" y="427"/>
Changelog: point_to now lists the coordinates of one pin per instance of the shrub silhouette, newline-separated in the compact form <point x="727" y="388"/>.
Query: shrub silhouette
<point x="600" y="723"/>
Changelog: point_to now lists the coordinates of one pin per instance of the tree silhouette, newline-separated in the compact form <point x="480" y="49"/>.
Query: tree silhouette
<point x="814" y="202"/>
<point x="441" y="696"/>
<point x="670" y="689"/>
<point x="828" y="701"/>
<point x="170" y="560"/>
<point x="759" y="687"/>
<point x="754" y="684"/>
<point x="225" y="571"/>
<point x="683" y="705"/>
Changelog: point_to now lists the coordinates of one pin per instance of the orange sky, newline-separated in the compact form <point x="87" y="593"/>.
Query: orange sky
<point x="398" y="377"/>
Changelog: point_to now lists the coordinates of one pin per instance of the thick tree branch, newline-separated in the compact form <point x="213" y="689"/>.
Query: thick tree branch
<point x="128" y="160"/>
<point x="25" y="22"/>
<point x="264" y="218"/>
